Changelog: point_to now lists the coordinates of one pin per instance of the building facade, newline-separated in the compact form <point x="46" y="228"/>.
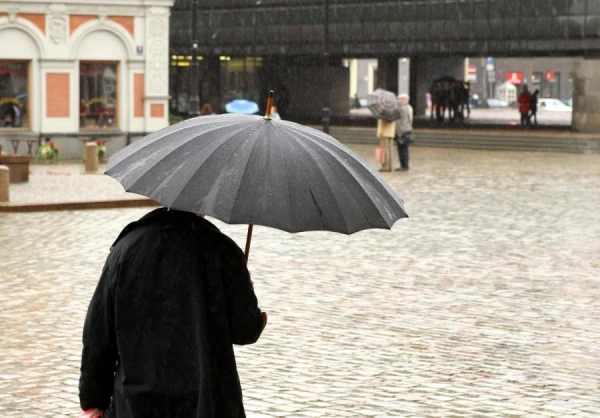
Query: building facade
<point x="75" y="68"/>
<point x="289" y="36"/>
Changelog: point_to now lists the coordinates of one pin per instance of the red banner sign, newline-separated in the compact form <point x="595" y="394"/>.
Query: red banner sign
<point x="549" y="76"/>
<point x="514" y="77"/>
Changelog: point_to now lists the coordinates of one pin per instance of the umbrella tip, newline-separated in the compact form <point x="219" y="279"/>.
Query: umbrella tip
<point x="269" y="104"/>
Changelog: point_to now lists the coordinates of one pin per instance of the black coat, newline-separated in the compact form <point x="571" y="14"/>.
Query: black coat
<point x="173" y="297"/>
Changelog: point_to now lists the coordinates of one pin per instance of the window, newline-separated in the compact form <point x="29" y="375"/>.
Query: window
<point x="98" y="95"/>
<point x="14" y="93"/>
<point x="536" y="81"/>
<point x="550" y="85"/>
<point x="239" y="78"/>
<point x="570" y="86"/>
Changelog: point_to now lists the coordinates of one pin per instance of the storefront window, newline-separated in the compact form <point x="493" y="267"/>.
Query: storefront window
<point x="14" y="93"/>
<point x="98" y="95"/>
<point x="551" y="85"/>
<point x="536" y="81"/>
<point x="239" y="78"/>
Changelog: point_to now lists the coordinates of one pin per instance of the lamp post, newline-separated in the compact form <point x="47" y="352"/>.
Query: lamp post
<point x="326" y="112"/>
<point x="194" y="109"/>
<point x="254" y="75"/>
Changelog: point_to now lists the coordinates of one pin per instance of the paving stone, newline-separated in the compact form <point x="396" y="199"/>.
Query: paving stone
<point x="483" y="303"/>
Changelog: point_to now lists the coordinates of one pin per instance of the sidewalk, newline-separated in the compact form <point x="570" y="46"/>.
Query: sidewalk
<point x="66" y="186"/>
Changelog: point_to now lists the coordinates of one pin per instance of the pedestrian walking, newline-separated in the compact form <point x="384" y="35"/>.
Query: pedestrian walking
<point x="533" y="106"/>
<point x="524" y="100"/>
<point x="386" y="131"/>
<point x="404" y="128"/>
<point x="173" y="297"/>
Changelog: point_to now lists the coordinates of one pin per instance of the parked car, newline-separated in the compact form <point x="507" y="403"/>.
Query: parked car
<point x="568" y="102"/>
<point x="552" y="105"/>
<point x="496" y="103"/>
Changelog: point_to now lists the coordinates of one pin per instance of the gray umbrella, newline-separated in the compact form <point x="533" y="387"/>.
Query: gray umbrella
<point x="245" y="169"/>
<point x="384" y="105"/>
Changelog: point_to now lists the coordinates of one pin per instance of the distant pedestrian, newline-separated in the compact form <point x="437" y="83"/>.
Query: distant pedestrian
<point x="206" y="110"/>
<point x="274" y="113"/>
<point x="173" y="297"/>
<point x="524" y="100"/>
<point x="533" y="106"/>
<point x="386" y="132"/>
<point x="404" y="128"/>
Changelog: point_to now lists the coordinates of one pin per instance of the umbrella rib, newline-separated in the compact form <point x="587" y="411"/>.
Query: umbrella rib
<point x="225" y="139"/>
<point x="229" y="137"/>
<point x="357" y="180"/>
<point x="149" y="140"/>
<point x="237" y="193"/>
<point x="320" y="171"/>
<point x="356" y="158"/>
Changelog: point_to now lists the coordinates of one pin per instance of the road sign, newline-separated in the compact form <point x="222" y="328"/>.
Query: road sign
<point x="472" y="73"/>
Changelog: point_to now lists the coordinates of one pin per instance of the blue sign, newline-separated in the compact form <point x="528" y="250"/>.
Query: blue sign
<point x="490" y="60"/>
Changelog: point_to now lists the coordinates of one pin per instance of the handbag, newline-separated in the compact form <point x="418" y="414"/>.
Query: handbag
<point x="380" y="155"/>
<point x="404" y="138"/>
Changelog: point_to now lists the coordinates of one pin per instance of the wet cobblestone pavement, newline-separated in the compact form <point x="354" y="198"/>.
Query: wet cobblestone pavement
<point x="484" y="303"/>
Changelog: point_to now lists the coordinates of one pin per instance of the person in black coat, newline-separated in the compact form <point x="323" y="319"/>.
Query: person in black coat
<point x="173" y="297"/>
<point x="533" y="106"/>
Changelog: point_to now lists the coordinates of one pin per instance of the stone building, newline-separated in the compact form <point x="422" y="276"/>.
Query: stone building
<point x="83" y="68"/>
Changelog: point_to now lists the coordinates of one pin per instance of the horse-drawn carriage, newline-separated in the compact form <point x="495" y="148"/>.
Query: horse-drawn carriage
<point x="448" y="93"/>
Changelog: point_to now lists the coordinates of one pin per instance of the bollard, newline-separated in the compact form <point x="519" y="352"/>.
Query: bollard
<point x="326" y="114"/>
<point x="4" y="183"/>
<point x="91" y="157"/>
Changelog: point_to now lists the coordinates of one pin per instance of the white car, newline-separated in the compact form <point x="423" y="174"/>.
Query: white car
<point x="552" y="104"/>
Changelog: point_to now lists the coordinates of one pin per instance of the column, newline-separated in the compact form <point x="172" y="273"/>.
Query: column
<point x="586" y="95"/>
<point x="387" y="73"/>
<point x="157" y="68"/>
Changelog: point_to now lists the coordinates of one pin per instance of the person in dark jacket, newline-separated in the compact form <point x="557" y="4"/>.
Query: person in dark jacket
<point x="533" y="107"/>
<point x="173" y="297"/>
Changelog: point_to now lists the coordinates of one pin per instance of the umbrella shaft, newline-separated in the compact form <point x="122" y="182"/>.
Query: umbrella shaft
<point x="248" y="240"/>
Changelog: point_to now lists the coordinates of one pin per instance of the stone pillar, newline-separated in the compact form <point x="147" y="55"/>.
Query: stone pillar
<point x="422" y="73"/>
<point x="91" y="157"/>
<point x="387" y="73"/>
<point x="213" y="76"/>
<point x="4" y="183"/>
<point x="586" y="95"/>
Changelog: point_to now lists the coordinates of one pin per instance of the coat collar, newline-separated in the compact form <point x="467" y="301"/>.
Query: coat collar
<point x="164" y="215"/>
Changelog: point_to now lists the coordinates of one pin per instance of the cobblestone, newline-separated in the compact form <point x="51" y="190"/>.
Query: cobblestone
<point x="484" y="303"/>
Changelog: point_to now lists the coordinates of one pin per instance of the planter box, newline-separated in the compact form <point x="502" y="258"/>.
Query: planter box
<point x="18" y="166"/>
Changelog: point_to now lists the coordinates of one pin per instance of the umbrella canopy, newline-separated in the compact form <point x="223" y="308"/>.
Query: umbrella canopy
<point x="241" y="106"/>
<point x="244" y="169"/>
<point x="384" y="105"/>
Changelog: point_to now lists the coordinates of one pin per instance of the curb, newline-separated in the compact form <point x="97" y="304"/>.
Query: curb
<point x="99" y="204"/>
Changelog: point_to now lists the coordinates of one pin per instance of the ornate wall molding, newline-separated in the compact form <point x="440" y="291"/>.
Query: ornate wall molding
<point x="157" y="51"/>
<point x="58" y="29"/>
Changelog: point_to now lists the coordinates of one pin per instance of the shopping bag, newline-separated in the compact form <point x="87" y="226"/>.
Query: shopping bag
<point x="380" y="155"/>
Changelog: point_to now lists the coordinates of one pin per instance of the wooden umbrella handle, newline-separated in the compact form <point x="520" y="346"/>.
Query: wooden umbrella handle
<point x="248" y="240"/>
<point x="269" y="105"/>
